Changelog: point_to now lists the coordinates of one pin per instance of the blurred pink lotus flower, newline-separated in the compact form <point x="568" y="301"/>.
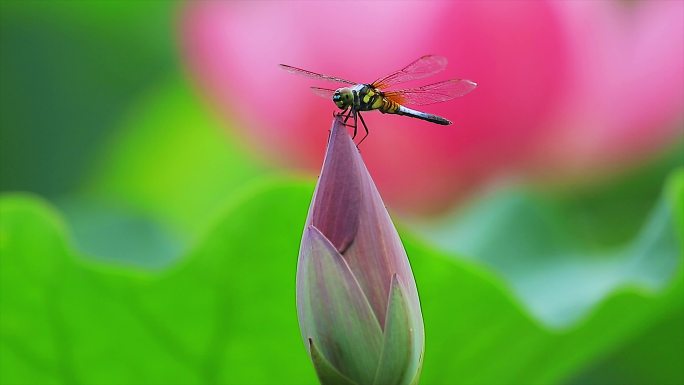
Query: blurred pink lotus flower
<point x="567" y="91"/>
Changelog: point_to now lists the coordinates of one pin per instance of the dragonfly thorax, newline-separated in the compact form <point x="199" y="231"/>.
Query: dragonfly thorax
<point x="343" y="97"/>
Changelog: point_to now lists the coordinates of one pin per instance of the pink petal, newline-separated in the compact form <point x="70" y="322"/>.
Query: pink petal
<point x="626" y="98"/>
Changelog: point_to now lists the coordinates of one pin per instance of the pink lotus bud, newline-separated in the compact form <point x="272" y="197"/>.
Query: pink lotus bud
<point x="357" y="301"/>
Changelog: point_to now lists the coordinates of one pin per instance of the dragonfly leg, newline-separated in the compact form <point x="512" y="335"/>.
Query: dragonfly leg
<point x="355" y="124"/>
<point x="352" y="113"/>
<point x="347" y="117"/>
<point x="365" y="128"/>
<point x="354" y="108"/>
<point x="346" y="114"/>
<point x="340" y="113"/>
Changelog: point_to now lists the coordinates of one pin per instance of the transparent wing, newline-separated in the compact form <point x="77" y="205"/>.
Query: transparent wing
<point x="425" y="66"/>
<point x="323" y="92"/>
<point x="432" y="93"/>
<point x="313" y="75"/>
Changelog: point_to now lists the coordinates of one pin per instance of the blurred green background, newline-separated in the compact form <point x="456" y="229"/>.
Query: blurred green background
<point x="141" y="243"/>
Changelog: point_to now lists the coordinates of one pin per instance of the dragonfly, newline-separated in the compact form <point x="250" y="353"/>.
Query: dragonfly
<point x="355" y="98"/>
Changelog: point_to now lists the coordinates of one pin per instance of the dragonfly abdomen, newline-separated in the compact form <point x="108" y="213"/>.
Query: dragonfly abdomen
<point x="389" y="106"/>
<point x="370" y="98"/>
<point x="401" y="110"/>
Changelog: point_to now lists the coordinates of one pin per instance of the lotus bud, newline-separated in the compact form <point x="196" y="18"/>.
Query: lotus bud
<point x="357" y="301"/>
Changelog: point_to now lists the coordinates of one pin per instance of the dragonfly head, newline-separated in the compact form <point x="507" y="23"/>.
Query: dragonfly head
<point x="343" y="97"/>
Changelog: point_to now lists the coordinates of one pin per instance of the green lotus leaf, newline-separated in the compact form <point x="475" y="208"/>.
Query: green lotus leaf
<point x="224" y="312"/>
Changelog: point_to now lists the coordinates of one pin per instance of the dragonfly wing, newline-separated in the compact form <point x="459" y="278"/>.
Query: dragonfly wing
<point x="323" y="92"/>
<point x="423" y="67"/>
<point x="432" y="93"/>
<point x="313" y="75"/>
